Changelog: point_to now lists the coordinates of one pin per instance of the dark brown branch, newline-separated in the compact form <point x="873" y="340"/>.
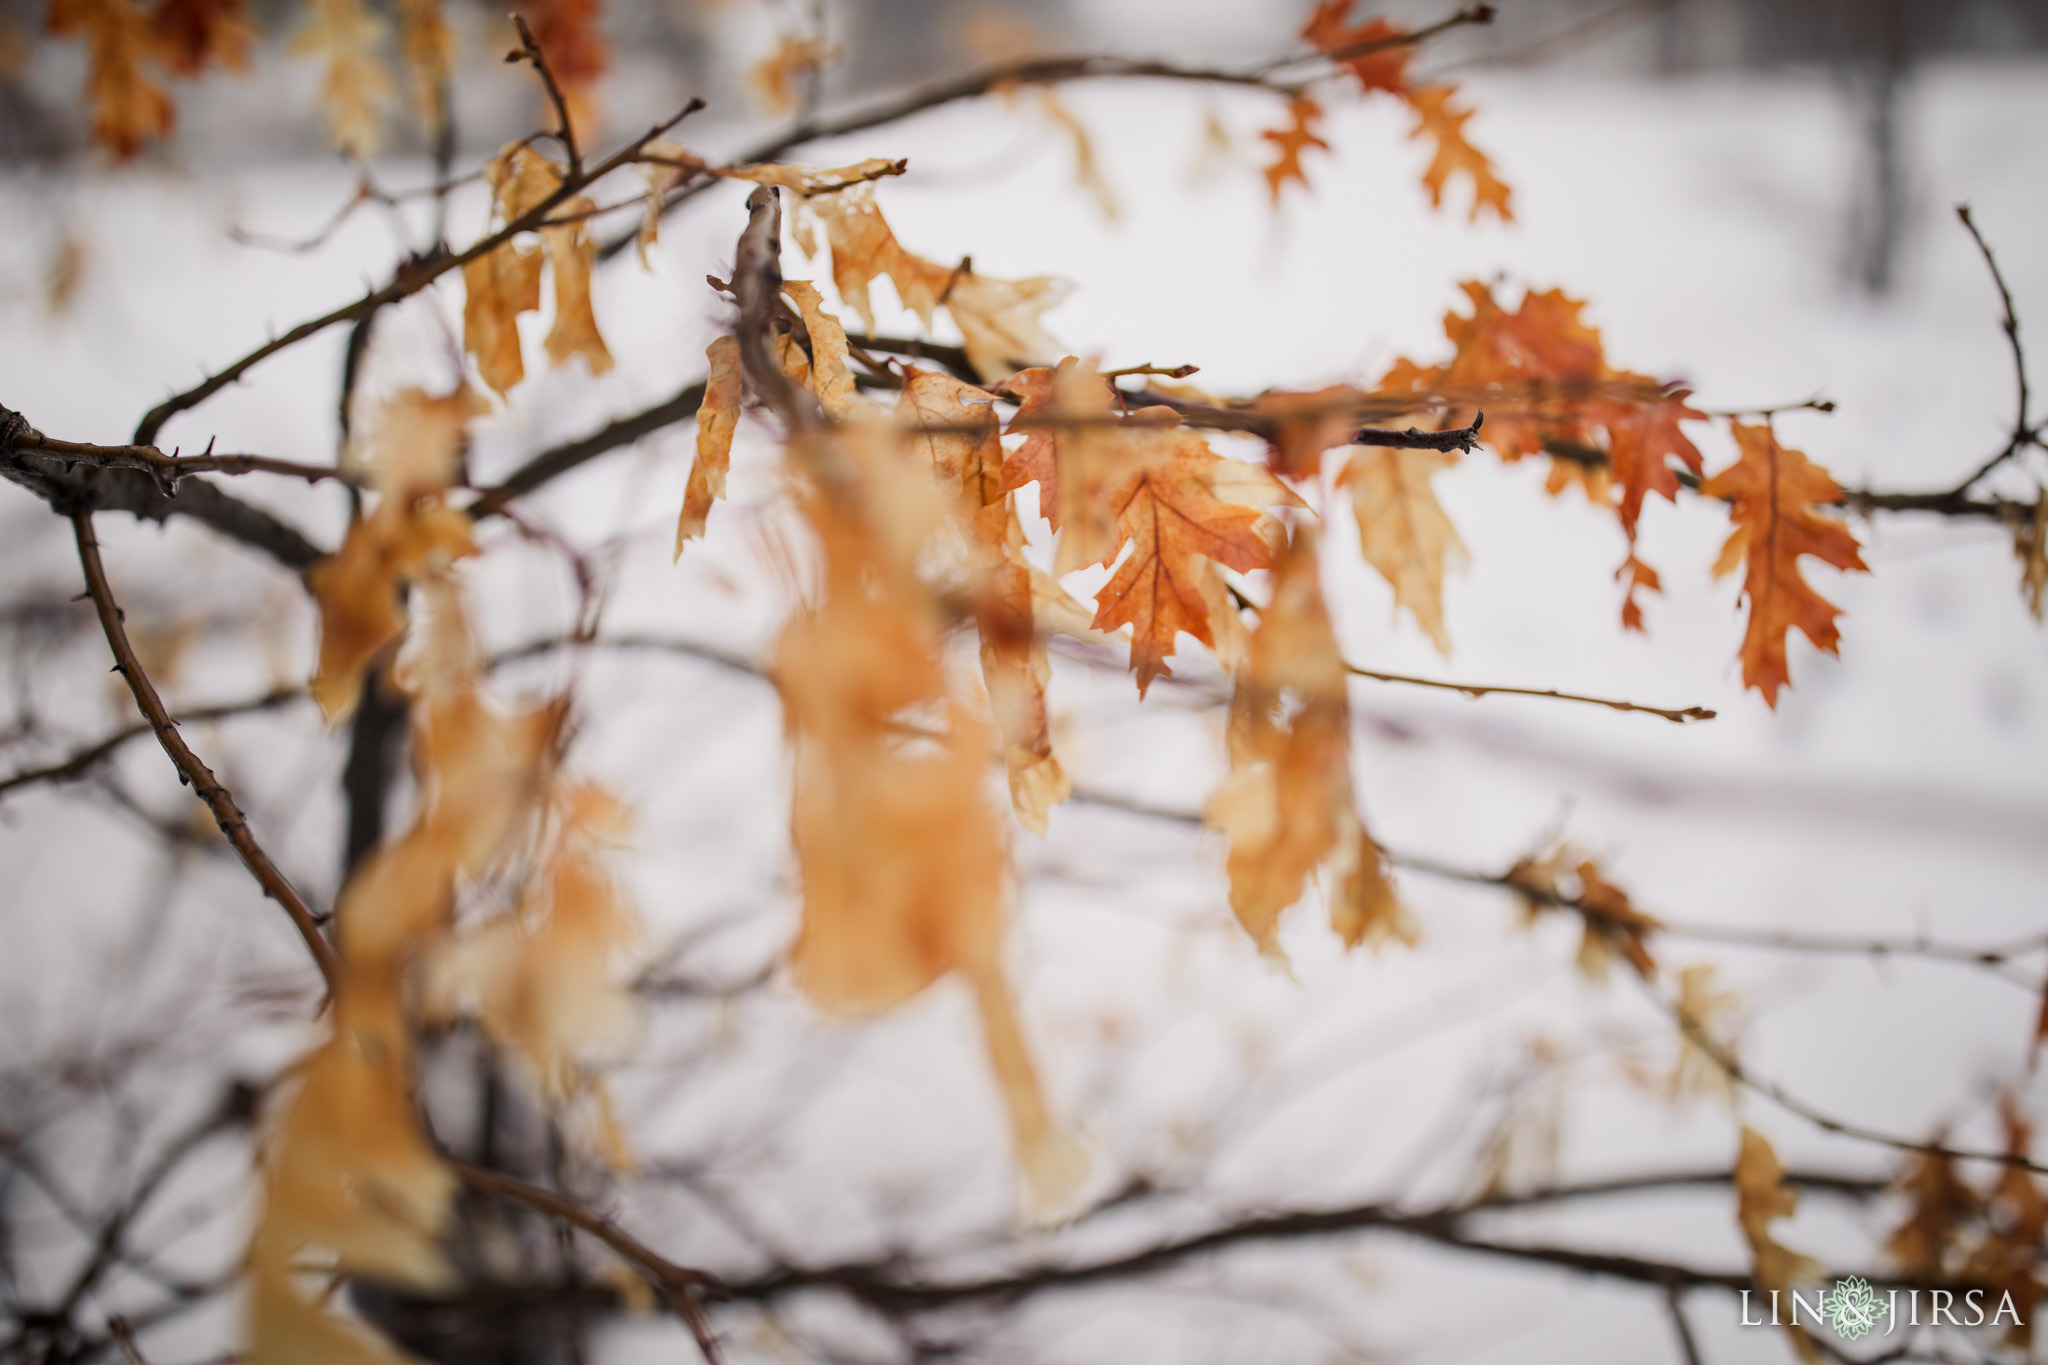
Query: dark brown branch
<point x="553" y="463"/>
<point x="70" y="486"/>
<point x="1674" y="1303"/>
<point x="2023" y="431"/>
<point x="1678" y="715"/>
<point x="680" y="1286"/>
<point x="411" y="276"/>
<point x="757" y="285"/>
<point x="1455" y="438"/>
<point x="529" y="51"/>
<point x="1475" y="14"/>
<point x="233" y="824"/>
<point x="167" y="470"/>
<point x="84" y="760"/>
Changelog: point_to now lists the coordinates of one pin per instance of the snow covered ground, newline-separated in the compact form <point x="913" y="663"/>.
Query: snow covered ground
<point x="1899" y="790"/>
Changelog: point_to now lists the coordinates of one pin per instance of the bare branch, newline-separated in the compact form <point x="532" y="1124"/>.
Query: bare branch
<point x="233" y="824"/>
<point x="2023" y="432"/>
<point x="529" y="51"/>
<point x="1678" y="715"/>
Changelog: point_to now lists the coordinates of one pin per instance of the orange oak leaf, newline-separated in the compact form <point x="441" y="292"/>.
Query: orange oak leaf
<point x="717" y="418"/>
<point x="1437" y="119"/>
<point x="1290" y="142"/>
<point x="358" y="85"/>
<point x="1286" y="806"/>
<point x="1381" y="69"/>
<point x="1184" y="509"/>
<point x="1402" y="529"/>
<point x="192" y="35"/>
<point x="128" y="109"/>
<point x="1638" y="577"/>
<point x="1775" y="497"/>
<point x="1641" y="440"/>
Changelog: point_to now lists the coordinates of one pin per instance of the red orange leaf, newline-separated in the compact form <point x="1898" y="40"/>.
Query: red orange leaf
<point x="1775" y="497"/>
<point x="1290" y="142"/>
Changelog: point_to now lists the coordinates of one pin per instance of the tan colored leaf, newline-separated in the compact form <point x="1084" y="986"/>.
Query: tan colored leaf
<point x="717" y="417"/>
<point x="1775" y="498"/>
<point x="831" y="379"/>
<point x="498" y="286"/>
<point x="1402" y="529"/>
<point x="128" y="109"/>
<point x="1941" y="1204"/>
<point x="999" y="321"/>
<point x="358" y="85"/>
<point x="2030" y="547"/>
<point x="426" y="44"/>
<point x="1762" y="1198"/>
<point x="773" y="79"/>
<point x="1286" y="806"/>
<point x="1087" y="172"/>
<point x="571" y="253"/>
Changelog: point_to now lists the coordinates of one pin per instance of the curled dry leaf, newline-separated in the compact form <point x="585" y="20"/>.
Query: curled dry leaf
<point x="2030" y="547"/>
<point x="1762" y="1197"/>
<point x="1016" y="605"/>
<point x="1403" y="531"/>
<point x="998" y="319"/>
<point x="411" y="451"/>
<point x="717" y="418"/>
<point x="505" y="282"/>
<point x="571" y="253"/>
<point x="128" y="109"/>
<point x="831" y="377"/>
<point x="1286" y="806"/>
<point x="901" y="855"/>
<point x="1775" y="497"/>
<point x="349" y="39"/>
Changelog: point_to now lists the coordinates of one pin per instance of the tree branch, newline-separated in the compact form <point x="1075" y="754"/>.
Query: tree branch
<point x="233" y="824"/>
<point x="2023" y="432"/>
<point x="1678" y="716"/>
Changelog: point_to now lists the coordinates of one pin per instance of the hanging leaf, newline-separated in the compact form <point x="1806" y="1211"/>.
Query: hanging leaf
<point x="717" y="418"/>
<point x="1402" y="529"/>
<point x="358" y="86"/>
<point x="1290" y="142"/>
<point x="128" y="109"/>
<point x="1775" y="497"/>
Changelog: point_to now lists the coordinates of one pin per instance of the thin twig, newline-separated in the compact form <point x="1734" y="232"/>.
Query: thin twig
<point x="2023" y="432"/>
<point x="679" y="1285"/>
<point x="233" y="824"/>
<point x="411" y="276"/>
<point x="1679" y="715"/>
<point x="529" y="51"/>
<point x="1674" y="1303"/>
<point x="168" y="469"/>
<point x="83" y="761"/>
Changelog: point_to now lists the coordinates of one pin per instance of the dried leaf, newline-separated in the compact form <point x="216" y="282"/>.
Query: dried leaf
<point x="571" y="253"/>
<point x="1762" y="1197"/>
<point x="1087" y="173"/>
<point x="774" y="78"/>
<point x="2030" y="547"/>
<point x="999" y="321"/>
<point x="1940" y="1205"/>
<point x="1290" y="142"/>
<point x="411" y="452"/>
<point x="1613" y="925"/>
<point x="192" y="35"/>
<point x="1307" y="424"/>
<point x="1178" y="526"/>
<point x="1402" y="529"/>
<point x="831" y="378"/>
<point x="665" y="165"/>
<point x="1703" y="1008"/>
<point x="1286" y="806"/>
<point x="358" y="84"/>
<point x="1437" y="119"/>
<point x="128" y="109"/>
<point x="1775" y="497"/>
<point x="901" y="856"/>
<point x="717" y="417"/>
<point x="1639" y="577"/>
<point x="426" y="44"/>
<point x="1384" y="69"/>
<point x="967" y="457"/>
<point x="498" y="286"/>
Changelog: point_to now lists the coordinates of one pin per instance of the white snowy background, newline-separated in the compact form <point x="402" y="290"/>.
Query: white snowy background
<point x="1899" y="790"/>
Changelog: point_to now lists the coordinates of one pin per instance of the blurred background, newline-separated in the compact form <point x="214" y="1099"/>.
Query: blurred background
<point x="1755" y="197"/>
